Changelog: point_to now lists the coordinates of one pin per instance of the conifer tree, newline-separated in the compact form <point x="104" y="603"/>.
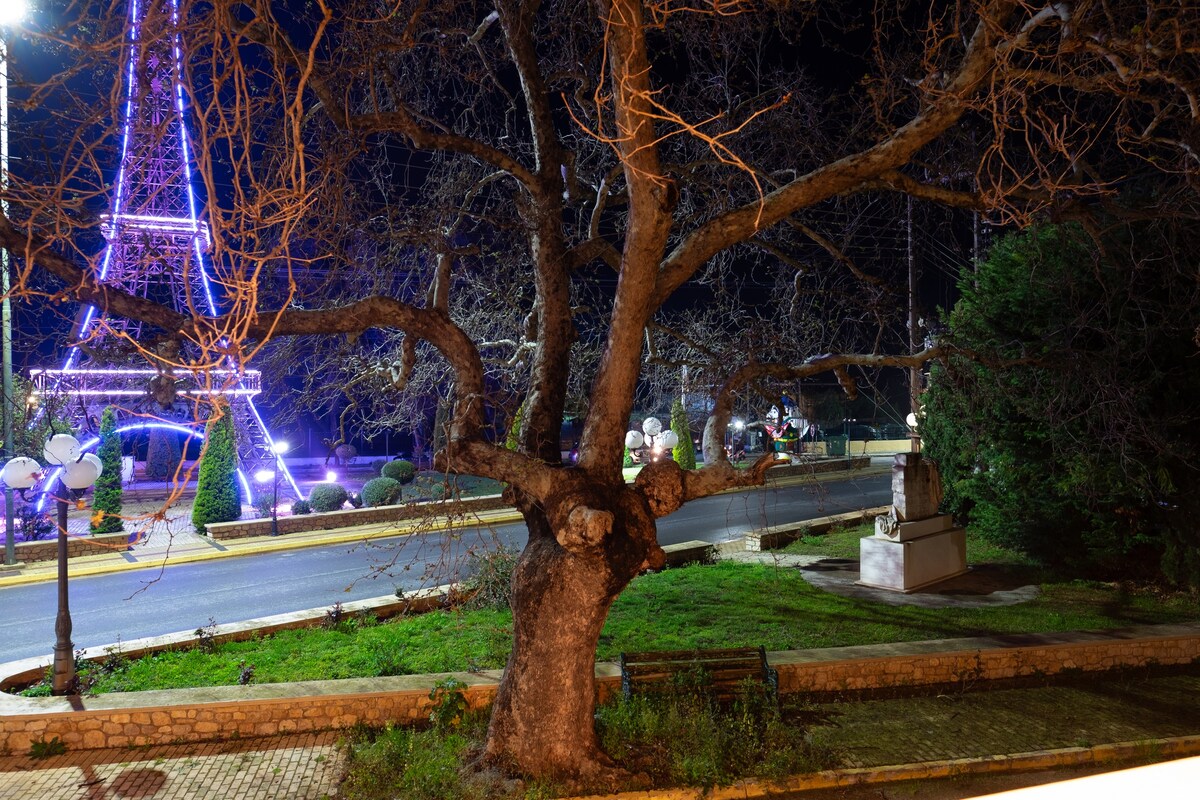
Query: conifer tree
<point x="107" y="501"/>
<point x="218" y="494"/>
<point x="684" y="452"/>
<point x="163" y="454"/>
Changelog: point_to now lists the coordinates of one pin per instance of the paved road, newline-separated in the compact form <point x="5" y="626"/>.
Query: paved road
<point x="130" y="605"/>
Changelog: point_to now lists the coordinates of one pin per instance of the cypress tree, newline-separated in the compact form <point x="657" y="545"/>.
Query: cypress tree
<point x="163" y="454"/>
<point x="218" y="494"/>
<point x="106" y="502"/>
<point x="684" y="453"/>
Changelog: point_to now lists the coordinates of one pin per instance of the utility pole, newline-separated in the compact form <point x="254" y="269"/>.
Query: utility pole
<point x="914" y="373"/>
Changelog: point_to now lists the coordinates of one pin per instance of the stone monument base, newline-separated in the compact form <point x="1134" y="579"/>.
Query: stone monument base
<point x="913" y="564"/>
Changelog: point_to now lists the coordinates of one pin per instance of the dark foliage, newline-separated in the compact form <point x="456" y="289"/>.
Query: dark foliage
<point x="381" y="492"/>
<point x="1074" y="438"/>
<point x="399" y="470"/>
<point x="163" y="455"/>
<point x="326" y="497"/>
<point x="107" y="499"/>
<point x="218" y="493"/>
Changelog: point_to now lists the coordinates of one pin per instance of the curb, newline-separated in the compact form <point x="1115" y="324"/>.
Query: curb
<point x="258" y="548"/>
<point x="20" y="577"/>
<point x="1152" y="749"/>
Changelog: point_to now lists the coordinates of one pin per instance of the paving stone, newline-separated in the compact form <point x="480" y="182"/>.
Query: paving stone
<point x="302" y="767"/>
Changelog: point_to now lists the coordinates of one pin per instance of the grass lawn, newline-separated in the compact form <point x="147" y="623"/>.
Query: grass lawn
<point x="726" y="604"/>
<point x="843" y="543"/>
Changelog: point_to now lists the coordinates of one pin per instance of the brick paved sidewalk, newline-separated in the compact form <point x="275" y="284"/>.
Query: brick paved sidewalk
<point x="300" y="767"/>
<point x="1103" y="710"/>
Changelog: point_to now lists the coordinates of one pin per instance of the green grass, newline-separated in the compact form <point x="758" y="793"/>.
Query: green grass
<point x="843" y="543"/>
<point x="726" y="604"/>
<point x="670" y="740"/>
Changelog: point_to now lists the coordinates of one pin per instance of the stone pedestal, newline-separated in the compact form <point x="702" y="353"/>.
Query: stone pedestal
<point x="913" y="546"/>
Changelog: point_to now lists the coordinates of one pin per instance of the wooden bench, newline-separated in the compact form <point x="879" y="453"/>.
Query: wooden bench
<point x="719" y="674"/>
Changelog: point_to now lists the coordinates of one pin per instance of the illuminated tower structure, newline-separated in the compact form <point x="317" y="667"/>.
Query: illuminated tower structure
<point x="157" y="248"/>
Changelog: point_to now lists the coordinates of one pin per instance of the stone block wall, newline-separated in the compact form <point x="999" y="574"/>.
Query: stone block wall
<point x="301" y="523"/>
<point x="143" y="718"/>
<point x="47" y="549"/>
<point x="779" y="536"/>
<point x="799" y="672"/>
<point x="813" y="467"/>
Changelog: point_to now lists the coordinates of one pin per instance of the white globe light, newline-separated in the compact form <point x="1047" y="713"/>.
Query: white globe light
<point x="651" y="426"/>
<point x="95" y="459"/>
<point x="264" y="475"/>
<point x="279" y="448"/>
<point x="633" y="440"/>
<point x="669" y="439"/>
<point x="738" y="424"/>
<point x="61" y="449"/>
<point x="21" y="473"/>
<point x="911" y="419"/>
<point x="13" y="11"/>
<point x="80" y="475"/>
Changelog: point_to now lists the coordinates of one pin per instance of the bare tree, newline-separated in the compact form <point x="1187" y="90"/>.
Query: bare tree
<point x="513" y="184"/>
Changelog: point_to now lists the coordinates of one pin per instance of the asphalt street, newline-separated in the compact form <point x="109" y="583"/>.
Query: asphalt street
<point x="129" y="605"/>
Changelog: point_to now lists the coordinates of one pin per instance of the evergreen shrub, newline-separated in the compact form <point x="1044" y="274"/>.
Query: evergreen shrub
<point x="301" y="507"/>
<point x="106" y="502"/>
<point x="399" y="470"/>
<point x="381" y="492"/>
<point x="683" y="453"/>
<point x="163" y="454"/>
<point x="218" y="493"/>
<point x="326" y="497"/>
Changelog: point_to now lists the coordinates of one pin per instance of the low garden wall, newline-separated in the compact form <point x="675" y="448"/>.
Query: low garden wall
<point x="813" y="467"/>
<point x="301" y="523"/>
<point x="47" y="549"/>
<point x="145" y="718"/>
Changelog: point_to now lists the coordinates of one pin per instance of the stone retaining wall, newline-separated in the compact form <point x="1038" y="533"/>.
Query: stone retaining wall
<point x="813" y="467"/>
<point x="143" y="718"/>
<point x="47" y="549"/>
<point x="300" y="523"/>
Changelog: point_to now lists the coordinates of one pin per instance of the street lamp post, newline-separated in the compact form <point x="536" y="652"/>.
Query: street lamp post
<point x="278" y="448"/>
<point x="264" y="475"/>
<point x="652" y="436"/>
<point x="11" y="12"/>
<point x="77" y="472"/>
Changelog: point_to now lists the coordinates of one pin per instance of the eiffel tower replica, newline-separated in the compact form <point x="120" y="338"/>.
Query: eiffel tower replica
<point x="157" y="248"/>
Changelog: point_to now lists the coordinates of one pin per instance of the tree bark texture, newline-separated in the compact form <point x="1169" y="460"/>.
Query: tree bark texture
<point x="543" y="718"/>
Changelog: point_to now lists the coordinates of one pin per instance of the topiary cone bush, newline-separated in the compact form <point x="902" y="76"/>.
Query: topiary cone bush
<point x="326" y="497"/>
<point x="381" y="492"/>
<point x="684" y="453"/>
<point x="399" y="470"/>
<point x="218" y="493"/>
<point x="106" y="502"/>
<point x="163" y="454"/>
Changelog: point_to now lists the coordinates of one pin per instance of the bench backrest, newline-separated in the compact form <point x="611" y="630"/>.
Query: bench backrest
<point x="719" y="673"/>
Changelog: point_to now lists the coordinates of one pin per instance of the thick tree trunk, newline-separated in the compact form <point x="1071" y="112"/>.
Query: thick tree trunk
<point x="543" y="718"/>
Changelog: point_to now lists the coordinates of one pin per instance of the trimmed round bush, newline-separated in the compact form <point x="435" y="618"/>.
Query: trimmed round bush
<point x="400" y="470"/>
<point x="301" y="507"/>
<point x="381" y="492"/>
<point x="327" y="497"/>
<point x="262" y="505"/>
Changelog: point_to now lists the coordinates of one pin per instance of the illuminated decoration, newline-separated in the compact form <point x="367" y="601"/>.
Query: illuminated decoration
<point x="652" y="442"/>
<point x="157" y="249"/>
<point x="95" y="440"/>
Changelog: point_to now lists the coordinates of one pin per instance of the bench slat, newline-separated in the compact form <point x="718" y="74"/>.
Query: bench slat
<point x="723" y="670"/>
